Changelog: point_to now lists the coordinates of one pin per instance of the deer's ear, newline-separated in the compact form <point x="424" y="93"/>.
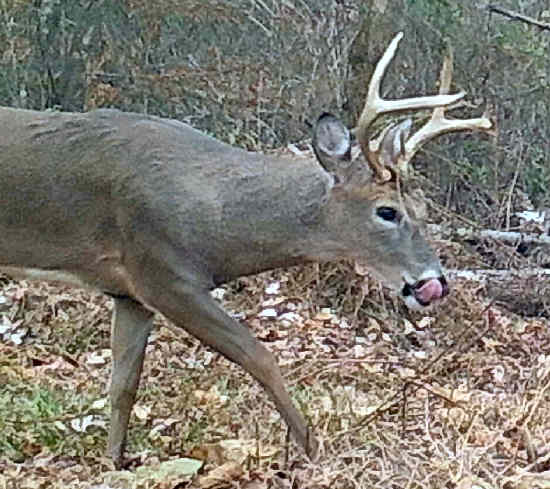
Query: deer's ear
<point x="332" y="146"/>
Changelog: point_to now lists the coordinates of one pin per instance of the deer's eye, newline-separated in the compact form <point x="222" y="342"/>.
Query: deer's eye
<point x="387" y="213"/>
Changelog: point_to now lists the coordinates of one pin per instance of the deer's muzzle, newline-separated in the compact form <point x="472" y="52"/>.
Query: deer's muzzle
<point x="427" y="291"/>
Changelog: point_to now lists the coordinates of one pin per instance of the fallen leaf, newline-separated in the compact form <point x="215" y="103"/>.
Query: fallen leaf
<point x="169" y="474"/>
<point x="268" y="313"/>
<point x="232" y="450"/>
<point x="324" y="315"/>
<point x="82" y="424"/>
<point x="224" y="473"/>
<point x="142" y="412"/>
<point x="273" y="288"/>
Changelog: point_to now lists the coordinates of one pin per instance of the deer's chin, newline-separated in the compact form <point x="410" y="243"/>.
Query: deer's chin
<point x="361" y="268"/>
<point x="411" y="303"/>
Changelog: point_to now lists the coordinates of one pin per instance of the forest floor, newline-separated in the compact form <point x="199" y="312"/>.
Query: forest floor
<point x="453" y="397"/>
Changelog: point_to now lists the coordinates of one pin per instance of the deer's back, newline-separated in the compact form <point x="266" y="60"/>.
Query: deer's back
<point x="89" y="187"/>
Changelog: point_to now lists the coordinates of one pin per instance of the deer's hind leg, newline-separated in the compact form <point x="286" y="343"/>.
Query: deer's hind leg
<point x="130" y="330"/>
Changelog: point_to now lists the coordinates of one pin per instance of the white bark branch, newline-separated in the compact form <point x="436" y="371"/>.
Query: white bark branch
<point x="499" y="275"/>
<point x="505" y="236"/>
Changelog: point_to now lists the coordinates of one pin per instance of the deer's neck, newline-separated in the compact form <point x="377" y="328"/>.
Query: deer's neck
<point x="271" y="216"/>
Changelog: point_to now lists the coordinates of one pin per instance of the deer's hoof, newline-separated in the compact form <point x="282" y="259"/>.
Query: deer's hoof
<point x="312" y="447"/>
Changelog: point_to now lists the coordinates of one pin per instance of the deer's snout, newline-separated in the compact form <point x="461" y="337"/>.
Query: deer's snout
<point x="426" y="291"/>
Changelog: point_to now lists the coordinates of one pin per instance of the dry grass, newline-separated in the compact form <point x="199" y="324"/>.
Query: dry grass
<point x="456" y="399"/>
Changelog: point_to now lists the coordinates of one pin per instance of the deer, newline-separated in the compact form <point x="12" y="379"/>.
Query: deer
<point x="156" y="214"/>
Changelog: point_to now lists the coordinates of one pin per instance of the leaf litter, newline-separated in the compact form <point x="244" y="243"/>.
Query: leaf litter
<point x="456" y="397"/>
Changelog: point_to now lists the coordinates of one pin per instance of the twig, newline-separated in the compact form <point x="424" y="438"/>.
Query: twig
<point x="516" y="16"/>
<point x="394" y="399"/>
<point x="513" y="186"/>
<point x="420" y="385"/>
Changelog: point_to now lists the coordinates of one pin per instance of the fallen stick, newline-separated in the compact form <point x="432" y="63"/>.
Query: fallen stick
<point x="499" y="275"/>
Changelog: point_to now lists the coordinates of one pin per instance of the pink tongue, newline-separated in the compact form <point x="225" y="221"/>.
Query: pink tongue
<point x="430" y="291"/>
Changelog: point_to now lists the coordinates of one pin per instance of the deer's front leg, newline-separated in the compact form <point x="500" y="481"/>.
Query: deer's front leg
<point x="196" y="311"/>
<point x="131" y="326"/>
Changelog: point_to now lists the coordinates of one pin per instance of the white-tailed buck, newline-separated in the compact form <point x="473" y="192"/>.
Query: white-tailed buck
<point x="155" y="214"/>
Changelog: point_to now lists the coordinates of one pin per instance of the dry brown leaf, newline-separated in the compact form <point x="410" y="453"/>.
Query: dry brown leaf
<point x="211" y="397"/>
<point x="234" y="450"/>
<point x="227" y="472"/>
<point x="142" y="412"/>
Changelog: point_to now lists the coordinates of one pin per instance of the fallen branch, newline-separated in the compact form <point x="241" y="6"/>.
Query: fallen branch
<point x="504" y="236"/>
<point x="517" y="16"/>
<point x="500" y="275"/>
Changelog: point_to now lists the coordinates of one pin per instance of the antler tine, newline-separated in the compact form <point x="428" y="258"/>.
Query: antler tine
<point x="438" y="123"/>
<point x="375" y="105"/>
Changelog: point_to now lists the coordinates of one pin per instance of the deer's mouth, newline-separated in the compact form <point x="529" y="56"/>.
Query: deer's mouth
<point x="427" y="291"/>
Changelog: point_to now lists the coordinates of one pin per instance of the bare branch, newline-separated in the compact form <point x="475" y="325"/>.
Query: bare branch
<point x="500" y="275"/>
<point x="517" y="16"/>
<point x="502" y="236"/>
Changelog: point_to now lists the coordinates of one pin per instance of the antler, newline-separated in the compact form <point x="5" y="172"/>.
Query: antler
<point x="438" y="123"/>
<point x="393" y="149"/>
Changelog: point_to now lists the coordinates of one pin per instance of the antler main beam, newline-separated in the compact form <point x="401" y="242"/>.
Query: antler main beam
<point x="393" y="149"/>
